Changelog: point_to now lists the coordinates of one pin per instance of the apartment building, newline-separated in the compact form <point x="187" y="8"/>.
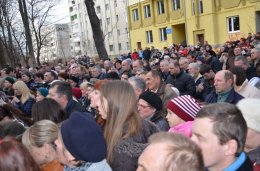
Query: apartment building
<point x="161" y="23"/>
<point x="56" y="43"/>
<point x="113" y="21"/>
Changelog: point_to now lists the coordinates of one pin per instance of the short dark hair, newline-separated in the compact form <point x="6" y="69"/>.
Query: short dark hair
<point x="240" y="74"/>
<point x="242" y="58"/>
<point x="228" y="123"/>
<point x="155" y="73"/>
<point x="39" y="75"/>
<point x="8" y="70"/>
<point x="205" y="68"/>
<point x="63" y="88"/>
<point x="53" y="74"/>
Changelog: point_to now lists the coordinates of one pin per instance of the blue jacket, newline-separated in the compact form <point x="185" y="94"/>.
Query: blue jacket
<point x="232" y="98"/>
<point x="26" y="107"/>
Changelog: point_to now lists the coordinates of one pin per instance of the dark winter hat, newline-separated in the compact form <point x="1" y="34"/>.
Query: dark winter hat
<point x="43" y="91"/>
<point x="27" y="74"/>
<point x="185" y="107"/>
<point x="10" y="80"/>
<point x="83" y="138"/>
<point x="74" y="79"/>
<point x="152" y="98"/>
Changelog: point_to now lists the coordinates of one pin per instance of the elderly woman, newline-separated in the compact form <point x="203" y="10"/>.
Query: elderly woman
<point x="23" y="99"/>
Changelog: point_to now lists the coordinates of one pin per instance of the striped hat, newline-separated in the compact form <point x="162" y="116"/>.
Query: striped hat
<point x="184" y="107"/>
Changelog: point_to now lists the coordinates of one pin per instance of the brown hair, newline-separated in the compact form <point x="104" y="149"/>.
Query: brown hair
<point x="123" y="120"/>
<point x="15" y="157"/>
<point x="228" y="123"/>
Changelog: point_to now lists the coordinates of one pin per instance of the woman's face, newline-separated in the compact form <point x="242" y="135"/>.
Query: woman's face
<point x="64" y="155"/>
<point x="17" y="92"/>
<point x="102" y="107"/>
<point x="94" y="98"/>
<point x="7" y="84"/>
<point x="39" y="97"/>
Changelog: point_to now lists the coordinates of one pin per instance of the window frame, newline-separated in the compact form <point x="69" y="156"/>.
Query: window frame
<point x="163" y="34"/>
<point x="147" y="11"/>
<point x="160" y="7"/>
<point x="175" y="4"/>
<point x="232" y="24"/>
<point x="149" y="36"/>
<point x="135" y="14"/>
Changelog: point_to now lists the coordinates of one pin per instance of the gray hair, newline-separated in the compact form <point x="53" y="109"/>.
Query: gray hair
<point x="195" y="65"/>
<point x="242" y="58"/>
<point x="139" y="83"/>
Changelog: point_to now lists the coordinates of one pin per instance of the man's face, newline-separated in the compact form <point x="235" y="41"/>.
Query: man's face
<point x="203" y="136"/>
<point x="240" y="64"/>
<point x="164" y="67"/>
<point x="48" y="77"/>
<point x="174" y="70"/>
<point x="221" y="85"/>
<point x="151" y="82"/>
<point x="25" y="78"/>
<point x="254" y="54"/>
<point x="54" y="95"/>
<point x="237" y="51"/>
<point x="152" y="158"/>
<point x="136" y="66"/>
<point x="192" y="71"/>
<point x="95" y="72"/>
<point x="125" y="66"/>
<point x="184" y="65"/>
<point x="78" y="72"/>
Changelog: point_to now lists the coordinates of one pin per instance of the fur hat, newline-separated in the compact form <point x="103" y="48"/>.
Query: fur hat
<point x="83" y="138"/>
<point x="185" y="107"/>
<point x="153" y="99"/>
<point x="251" y="113"/>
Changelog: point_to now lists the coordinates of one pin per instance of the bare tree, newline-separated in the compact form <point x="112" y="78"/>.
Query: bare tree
<point x="96" y="29"/>
<point x="27" y="30"/>
<point x="39" y="11"/>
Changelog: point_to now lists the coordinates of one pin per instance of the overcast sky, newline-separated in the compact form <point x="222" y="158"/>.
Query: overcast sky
<point x="61" y="13"/>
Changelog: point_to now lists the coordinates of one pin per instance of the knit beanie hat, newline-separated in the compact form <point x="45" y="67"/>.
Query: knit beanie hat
<point x="76" y="92"/>
<point x="251" y="113"/>
<point x="43" y="91"/>
<point x="74" y="79"/>
<point x="153" y="99"/>
<point x="83" y="138"/>
<point x="185" y="107"/>
<point x="10" y="80"/>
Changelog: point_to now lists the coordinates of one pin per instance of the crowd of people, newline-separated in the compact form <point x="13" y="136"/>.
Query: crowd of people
<point x="183" y="108"/>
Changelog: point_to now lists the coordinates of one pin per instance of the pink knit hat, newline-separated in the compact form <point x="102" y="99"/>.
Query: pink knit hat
<point x="184" y="107"/>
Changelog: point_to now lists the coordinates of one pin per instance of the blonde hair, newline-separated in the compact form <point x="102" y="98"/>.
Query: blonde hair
<point x="21" y="86"/>
<point x="42" y="132"/>
<point x="123" y="120"/>
<point x="84" y="85"/>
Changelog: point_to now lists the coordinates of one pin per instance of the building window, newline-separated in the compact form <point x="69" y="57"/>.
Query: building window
<point x="117" y="17"/>
<point x="107" y="6"/>
<point x="200" y="6"/>
<point x="119" y="46"/>
<point x="115" y="3"/>
<point x="109" y="34"/>
<point x="147" y="11"/>
<point x="192" y="7"/>
<point x="127" y="46"/>
<point x="233" y="24"/>
<point x="126" y="30"/>
<point x="108" y="20"/>
<point x="135" y="15"/>
<point x="98" y="9"/>
<point x="111" y="48"/>
<point x="163" y="35"/>
<point x="160" y="6"/>
<point x="149" y="36"/>
<point x="118" y="32"/>
<point x="176" y="5"/>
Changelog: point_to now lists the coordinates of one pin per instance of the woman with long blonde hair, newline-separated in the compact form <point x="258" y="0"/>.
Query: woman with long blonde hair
<point x="125" y="132"/>
<point x="23" y="99"/>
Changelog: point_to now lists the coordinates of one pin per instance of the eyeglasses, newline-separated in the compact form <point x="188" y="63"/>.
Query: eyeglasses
<point x="142" y="106"/>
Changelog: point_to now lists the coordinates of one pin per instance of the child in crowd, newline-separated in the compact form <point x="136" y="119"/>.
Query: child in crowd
<point x="181" y="112"/>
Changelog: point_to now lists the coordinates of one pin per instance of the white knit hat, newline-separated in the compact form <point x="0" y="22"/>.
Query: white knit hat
<point x="250" y="110"/>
